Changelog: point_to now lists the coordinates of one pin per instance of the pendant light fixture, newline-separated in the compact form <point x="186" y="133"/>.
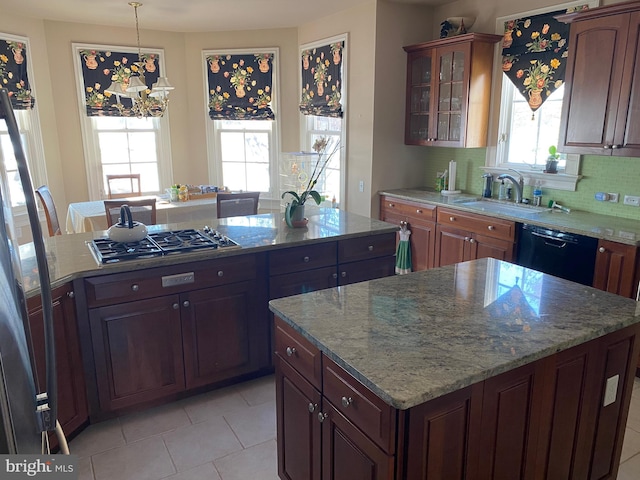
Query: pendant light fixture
<point x="146" y="103"/>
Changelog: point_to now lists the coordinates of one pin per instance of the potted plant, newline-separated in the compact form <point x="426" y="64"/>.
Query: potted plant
<point x="294" y="210"/>
<point x="552" y="160"/>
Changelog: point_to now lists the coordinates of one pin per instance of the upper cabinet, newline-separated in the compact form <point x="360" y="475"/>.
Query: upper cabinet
<point x="601" y="109"/>
<point x="448" y="91"/>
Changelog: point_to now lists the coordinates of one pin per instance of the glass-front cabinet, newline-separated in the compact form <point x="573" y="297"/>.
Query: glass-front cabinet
<point x="448" y="90"/>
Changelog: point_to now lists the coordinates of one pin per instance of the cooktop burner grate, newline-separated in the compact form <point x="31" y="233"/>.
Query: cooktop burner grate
<point x="159" y="244"/>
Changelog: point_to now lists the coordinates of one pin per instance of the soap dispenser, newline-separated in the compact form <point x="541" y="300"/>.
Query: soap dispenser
<point x="488" y="183"/>
<point x="502" y="193"/>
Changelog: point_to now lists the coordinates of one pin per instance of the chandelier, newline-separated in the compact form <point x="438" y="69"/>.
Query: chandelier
<point x="146" y="103"/>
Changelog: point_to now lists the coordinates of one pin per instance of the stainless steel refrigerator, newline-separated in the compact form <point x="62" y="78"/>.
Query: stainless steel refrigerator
<point x="25" y="413"/>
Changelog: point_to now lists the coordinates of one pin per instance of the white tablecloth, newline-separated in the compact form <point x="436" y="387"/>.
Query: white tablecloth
<point x="91" y="216"/>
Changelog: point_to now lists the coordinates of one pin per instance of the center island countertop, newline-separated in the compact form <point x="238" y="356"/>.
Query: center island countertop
<point x="415" y="337"/>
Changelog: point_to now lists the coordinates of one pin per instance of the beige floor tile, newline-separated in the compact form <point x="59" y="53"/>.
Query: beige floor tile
<point x="203" y="472"/>
<point x="633" y="420"/>
<point x="629" y="470"/>
<point x="97" y="438"/>
<point x="213" y="404"/>
<point x="153" y="422"/>
<point x="254" y="425"/>
<point x="147" y="459"/>
<point x="258" y="391"/>
<point x="85" y="469"/>
<point x="631" y="445"/>
<point x="203" y="442"/>
<point x="258" y="462"/>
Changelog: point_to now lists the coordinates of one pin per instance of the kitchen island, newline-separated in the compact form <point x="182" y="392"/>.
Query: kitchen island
<point x="482" y="369"/>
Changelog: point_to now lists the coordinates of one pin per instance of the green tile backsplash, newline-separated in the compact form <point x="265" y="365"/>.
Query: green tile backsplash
<point x="600" y="174"/>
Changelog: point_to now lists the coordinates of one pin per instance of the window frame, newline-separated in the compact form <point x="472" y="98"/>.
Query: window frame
<point x="90" y="137"/>
<point x="214" y="127"/>
<point x="306" y="121"/>
<point x="500" y="117"/>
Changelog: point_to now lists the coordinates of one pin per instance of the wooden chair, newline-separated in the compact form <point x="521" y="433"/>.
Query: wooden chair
<point x="237" y="204"/>
<point x="142" y="210"/>
<point x="123" y="186"/>
<point x="49" y="210"/>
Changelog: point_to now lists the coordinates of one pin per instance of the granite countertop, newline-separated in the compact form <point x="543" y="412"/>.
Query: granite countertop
<point x="616" y="229"/>
<point x="69" y="255"/>
<point x="412" y="338"/>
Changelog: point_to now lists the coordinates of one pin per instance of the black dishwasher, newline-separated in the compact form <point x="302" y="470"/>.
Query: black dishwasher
<point x="565" y="255"/>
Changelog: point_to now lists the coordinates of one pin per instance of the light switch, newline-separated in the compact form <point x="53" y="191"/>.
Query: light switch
<point x="611" y="390"/>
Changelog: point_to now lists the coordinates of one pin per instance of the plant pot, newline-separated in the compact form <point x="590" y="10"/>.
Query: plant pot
<point x="294" y="216"/>
<point x="552" y="166"/>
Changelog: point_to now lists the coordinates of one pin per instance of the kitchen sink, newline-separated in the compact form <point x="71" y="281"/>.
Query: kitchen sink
<point x="503" y="208"/>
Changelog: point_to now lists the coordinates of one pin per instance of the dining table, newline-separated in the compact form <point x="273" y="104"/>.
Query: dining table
<point x="91" y="216"/>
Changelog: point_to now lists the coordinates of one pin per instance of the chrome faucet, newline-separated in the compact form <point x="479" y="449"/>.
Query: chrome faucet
<point x="518" y="184"/>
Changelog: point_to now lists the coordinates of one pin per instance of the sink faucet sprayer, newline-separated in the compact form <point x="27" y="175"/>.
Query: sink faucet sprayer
<point x="517" y="183"/>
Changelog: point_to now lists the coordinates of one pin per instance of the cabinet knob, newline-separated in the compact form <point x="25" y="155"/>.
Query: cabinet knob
<point x="312" y="407"/>
<point x="472" y="240"/>
<point x="452" y="219"/>
<point x="602" y="249"/>
<point x="220" y="273"/>
<point x="290" y="351"/>
<point x="346" y="401"/>
<point x="306" y="259"/>
<point x="491" y="227"/>
<point x="335" y="275"/>
<point x="343" y="274"/>
<point x="71" y="294"/>
<point x="322" y="416"/>
<point x="606" y="147"/>
<point x="418" y="211"/>
<point x="370" y="248"/>
<point x="175" y="306"/>
<point x="615" y="146"/>
<point x="466" y="239"/>
<point x="186" y="303"/>
<point x="392" y="205"/>
<point x="135" y="287"/>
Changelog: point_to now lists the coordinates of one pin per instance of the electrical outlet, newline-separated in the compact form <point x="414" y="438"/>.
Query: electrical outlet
<point x="361" y="186"/>
<point x="613" y="197"/>
<point x="632" y="200"/>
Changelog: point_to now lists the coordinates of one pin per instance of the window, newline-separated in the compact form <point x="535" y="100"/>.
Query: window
<point x="117" y="144"/>
<point x="329" y="184"/>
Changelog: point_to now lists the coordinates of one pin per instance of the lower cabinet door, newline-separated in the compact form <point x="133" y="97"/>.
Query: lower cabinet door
<point x="223" y="336"/>
<point x="299" y="430"/>
<point x="451" y="246"/>
<point x="486" y="247"/>
<point x="347" y="453"/>
<point x="138" y="351"/>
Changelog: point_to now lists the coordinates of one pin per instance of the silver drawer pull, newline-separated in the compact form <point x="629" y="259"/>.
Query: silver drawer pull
<point x="220" y="273"/>
<point x="335" y="275"/>
<point x="471" y="240"/>
<point x="392" y="205"/>
<point x="175" y="306"/>
<point x="491" y="227"/>
<point x="322" y="416"/>
<point x="466" y="239"/>
<point x="71" y="294"/>
<point x="186" y="303"/>
<point x="306" y="259"/>
<point x="290" y="351"/>
<point x="452" y="219"/>
<point x="370" y="247"/>
<point x="606" y="147"/>
<point x="343" y="274"/>
<point x="135" y="287"/>
<point x="346" y="401"/>
<point x="312" y="407"/>
<point x="418" y="211"/>
<point x="602" y="249"/>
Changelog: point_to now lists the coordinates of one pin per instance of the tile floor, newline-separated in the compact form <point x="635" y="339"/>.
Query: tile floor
<point x="228" y="434"/>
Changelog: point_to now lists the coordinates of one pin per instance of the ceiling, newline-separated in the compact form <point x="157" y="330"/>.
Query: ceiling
<point x="189" y="15"/>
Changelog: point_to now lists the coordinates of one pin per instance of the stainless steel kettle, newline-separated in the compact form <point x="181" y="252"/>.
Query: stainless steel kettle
<point x="126" y="230"/>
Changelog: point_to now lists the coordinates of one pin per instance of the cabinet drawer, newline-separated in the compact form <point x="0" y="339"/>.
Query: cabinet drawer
<point x="415" y="210"/>
<point x="126" y="287"/>
<point x="301" y="258"/>
<point x="364" y="248"/>
<point x="302" y="282"/>
<point x="298" y="352"/>
<point x="488" y="226"/>
<point x="360" y="405"/>
<point x="366" y="270"/>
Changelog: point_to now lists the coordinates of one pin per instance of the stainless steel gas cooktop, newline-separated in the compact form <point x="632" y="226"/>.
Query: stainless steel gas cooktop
<point x="159" y="244"/>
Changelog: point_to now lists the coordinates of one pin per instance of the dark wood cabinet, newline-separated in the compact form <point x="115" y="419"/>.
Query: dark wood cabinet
<point x="72" y="398"/>
<point x="316" y="438"/>
<point x="420" y="219"/>
<point x="463" y="236"/>
<point x="177" y="328"/>
<point x="615" y="270"/>
<point x="601" y="108"/>
<point x="448" y="90"/>
<point x="138" y="351"/>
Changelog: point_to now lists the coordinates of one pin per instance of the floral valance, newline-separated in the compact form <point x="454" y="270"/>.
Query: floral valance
<point x="13" y="73"/>
<point x="322" y="80"/>
<point x="240" y="86"/>
<point x="534" y="53"/>
<point x="101" y="67"/>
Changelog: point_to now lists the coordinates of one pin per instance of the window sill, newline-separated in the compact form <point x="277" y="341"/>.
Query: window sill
<point x="557" y="181"/>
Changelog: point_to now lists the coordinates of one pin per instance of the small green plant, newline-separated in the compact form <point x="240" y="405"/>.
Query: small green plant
<point x="553" y="152"/>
